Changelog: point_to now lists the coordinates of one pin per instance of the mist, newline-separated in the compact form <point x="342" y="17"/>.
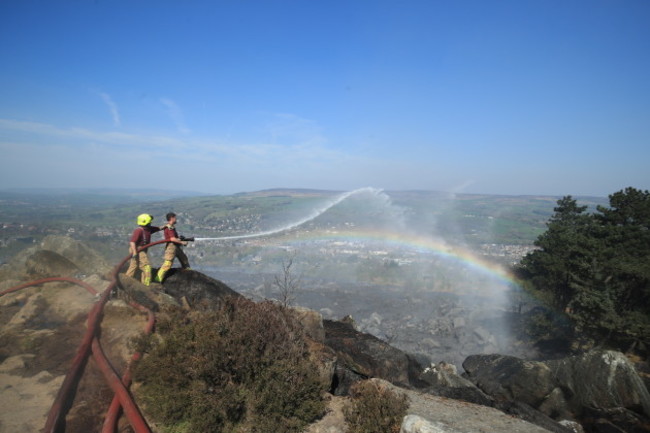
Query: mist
<point x="401" y="274"/>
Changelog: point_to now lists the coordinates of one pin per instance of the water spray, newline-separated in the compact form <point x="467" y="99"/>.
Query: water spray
<point x="312" y="216"/>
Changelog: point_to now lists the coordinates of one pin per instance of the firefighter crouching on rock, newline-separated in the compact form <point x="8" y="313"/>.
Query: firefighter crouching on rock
<point x="141" y="236"/>
<point x="173" y="248"/>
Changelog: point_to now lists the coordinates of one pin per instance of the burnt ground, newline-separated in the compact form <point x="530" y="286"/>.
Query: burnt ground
<point x="40" y="344"/>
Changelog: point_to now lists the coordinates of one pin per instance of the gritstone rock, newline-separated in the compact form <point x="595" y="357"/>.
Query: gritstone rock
<point x="198" y="289"/>
<point x="47" y="264"/>
<point x="88" y="261"/>
<point x="443" y="380"/>
<point x="598" y="385"/>
<point x="416" y="424"/>
<point x="508" y="378"/>
<point x="362" y="355"/>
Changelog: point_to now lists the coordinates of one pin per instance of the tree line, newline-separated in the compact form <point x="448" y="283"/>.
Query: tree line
<point x="595" y="267"/>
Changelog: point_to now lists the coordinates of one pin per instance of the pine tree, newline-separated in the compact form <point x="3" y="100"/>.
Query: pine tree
<point x="596" y="267"/>
<point x="565" y="252"/>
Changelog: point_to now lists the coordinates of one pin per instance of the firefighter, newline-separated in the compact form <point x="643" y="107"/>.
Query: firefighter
<point x="141" y="236"/>
<point x="173" y="248"/>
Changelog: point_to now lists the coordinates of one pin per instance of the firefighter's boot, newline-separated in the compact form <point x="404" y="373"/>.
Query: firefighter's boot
<point x="160" y="276"/>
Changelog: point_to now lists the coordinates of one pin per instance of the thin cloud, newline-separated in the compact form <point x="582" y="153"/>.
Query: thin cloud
<point x="45" y="135"/>
<point x="112" y="107"/>
<point x="290" y="129"/>
<point x="259" y="165"/>
<point x="79" y="136"/>
<point x="175" y="113"/>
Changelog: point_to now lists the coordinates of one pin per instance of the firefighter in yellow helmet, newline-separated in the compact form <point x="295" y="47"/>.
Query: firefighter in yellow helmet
<point x="172" y="249"/>
<point x="141" y="236"/>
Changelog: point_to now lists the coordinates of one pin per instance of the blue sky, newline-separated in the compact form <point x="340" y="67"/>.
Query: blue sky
<point x="499" y="97"/>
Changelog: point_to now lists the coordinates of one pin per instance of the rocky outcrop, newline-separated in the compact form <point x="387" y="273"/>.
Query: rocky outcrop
<point x="88" y="261"/>
<point x="597" y="388"/>
<point x="453" y="416"/>
<point x="39" y="328"/>
<point x="42" y="326"/>
<point x="443" y="380"/>
<point x="417" y="424"/>
<point x="46" y="264"/>
<point x="187" y="288"/>
<point x="56" y="256"/>
<point x="603" y="385"/>
<point x="601" y="379"/>
<point x="198" y="289"/>
<point x="507" y="378"/>
<point x="362" y="356"/>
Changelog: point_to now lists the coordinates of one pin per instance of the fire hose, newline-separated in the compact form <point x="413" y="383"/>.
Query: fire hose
<point x="90" y="343"/>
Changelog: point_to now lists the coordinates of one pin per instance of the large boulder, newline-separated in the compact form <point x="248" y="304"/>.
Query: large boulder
<point x="450" y="415"/>
<point x="56" y="256"/>
<point x="362" y="356"/>
<point x="88" y="261"/>
<point x="597" y="388"/>
<point x="15" y="269"/>
<point x="46" y="264"/>
<point x="197" y="288"/>
<point x="507" y="378"/>
<point x="131" y="290"/>
<point x="518" y="387"/>
<point x="604" y="385"/>
<point x="187" y="288"/>
<point x="442" y="379"/>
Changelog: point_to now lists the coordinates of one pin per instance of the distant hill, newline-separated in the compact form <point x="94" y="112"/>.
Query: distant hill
<point x="290" y="192"/>
<point x="472" y="217"/>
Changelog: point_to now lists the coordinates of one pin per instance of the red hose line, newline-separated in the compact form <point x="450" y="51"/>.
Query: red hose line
<point x="69" y="381"/>
<point x="113" y="413"/>
<point x="63" y="399"/>
<point x="131" y="410"/>
<point x="122" y="398"/>
<point x="86" y="286"/>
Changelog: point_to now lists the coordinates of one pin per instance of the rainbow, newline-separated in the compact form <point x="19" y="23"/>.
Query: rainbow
<point x="421" y="244"/>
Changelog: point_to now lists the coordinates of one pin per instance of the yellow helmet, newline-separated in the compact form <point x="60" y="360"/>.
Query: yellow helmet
<point x="144" y="219"/>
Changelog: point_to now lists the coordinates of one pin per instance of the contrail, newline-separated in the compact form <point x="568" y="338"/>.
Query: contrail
<point x="315" y="214"/>
<point x="112" y="106"/>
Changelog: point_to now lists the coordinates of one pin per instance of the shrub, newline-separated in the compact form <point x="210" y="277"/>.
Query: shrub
<point x="375" y="409"/>
<point x="244" y="367"/>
